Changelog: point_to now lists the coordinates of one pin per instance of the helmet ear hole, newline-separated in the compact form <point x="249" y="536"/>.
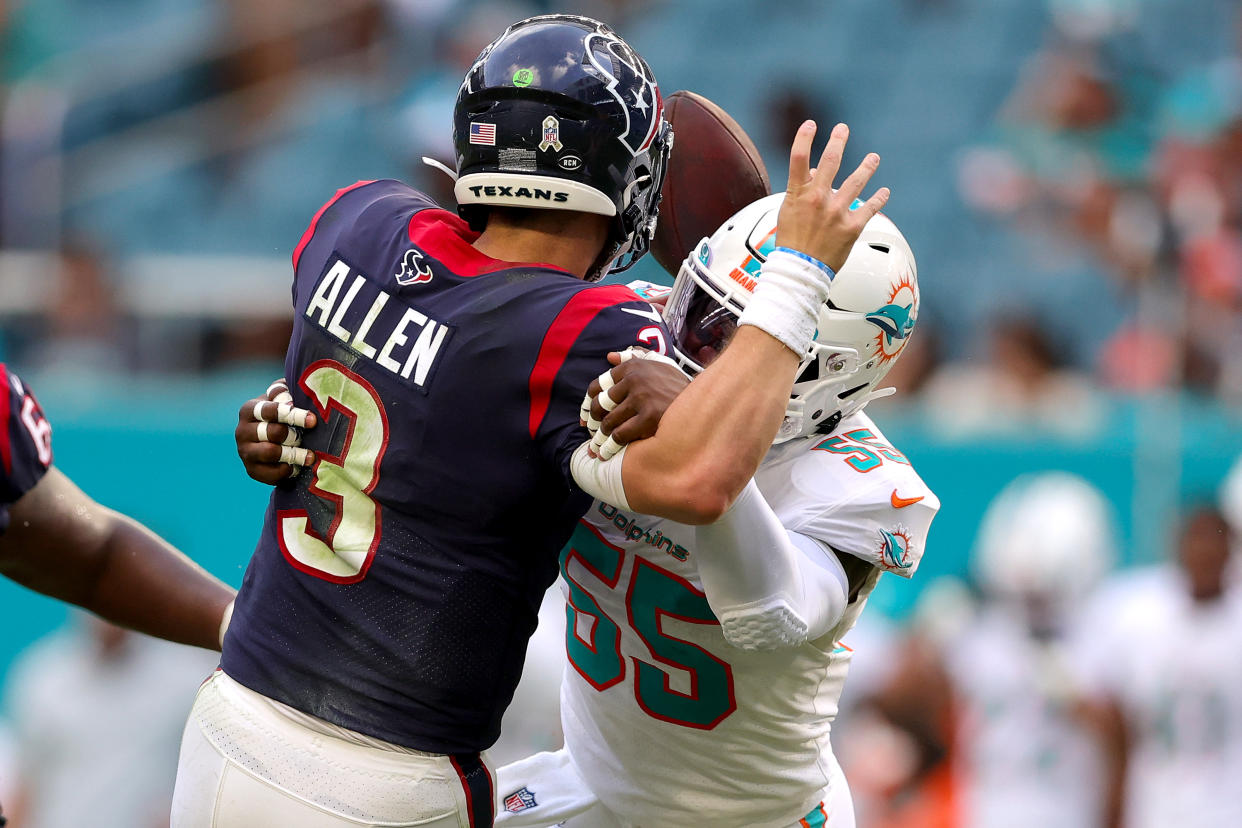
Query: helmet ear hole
<point x="851" y="391"/>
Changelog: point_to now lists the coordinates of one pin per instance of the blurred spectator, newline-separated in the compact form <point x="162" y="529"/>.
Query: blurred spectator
<point x="898" y="757"/>
<point x="98" y="713"/>
<point x="82" y="328"/>
<point x="1169" y="685"/>
<point x="1023" y="386"/>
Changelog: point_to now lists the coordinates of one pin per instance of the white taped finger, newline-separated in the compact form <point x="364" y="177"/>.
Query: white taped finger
<point x="277" y="385"/>
<point x="283" y="397"/>
<point x="263" y="432"/>
<point x="609" y="449"/>
<point x="606" y="381"/>
<point x="606" y="401"/>
<point x="592" y="423"/>
<point x="598" y="439"/>
<point x="293" y="455"/>
<point x="293" y="437"/>
<point x="584" y="412"/>
<point x="629" y="353"/>
<point x="258" y="410"/>
<point x="656" y="357"/>
<point x="289" y="414"/>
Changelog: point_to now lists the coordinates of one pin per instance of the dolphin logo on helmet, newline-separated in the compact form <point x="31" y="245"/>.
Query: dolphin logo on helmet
<point x="896" y="321"/>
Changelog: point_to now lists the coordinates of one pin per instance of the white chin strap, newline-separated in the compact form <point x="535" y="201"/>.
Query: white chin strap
<point x="444" y="168"/>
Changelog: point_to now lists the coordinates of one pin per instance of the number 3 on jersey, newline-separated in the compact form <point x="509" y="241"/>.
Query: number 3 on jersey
<point x="652" y="595"/>
<point x="345" y="553"/>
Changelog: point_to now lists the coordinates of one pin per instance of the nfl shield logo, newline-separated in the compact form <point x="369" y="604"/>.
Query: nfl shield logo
<point x="519" y="800"/>
<point x="551" y="134"/>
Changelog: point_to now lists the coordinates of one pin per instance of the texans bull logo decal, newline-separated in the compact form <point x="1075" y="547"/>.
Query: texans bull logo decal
<point x="626" y="72"/>
<point x="413" y="270"/>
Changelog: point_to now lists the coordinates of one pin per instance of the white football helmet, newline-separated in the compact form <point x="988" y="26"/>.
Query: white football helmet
<point x="863" y="328"/>
<point x="1049" y="535"/>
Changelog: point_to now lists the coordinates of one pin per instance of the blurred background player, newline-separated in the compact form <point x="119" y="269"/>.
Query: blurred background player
<point x="1025" y="752"/>
<point x="1168" y="682"/>
<point x="385" y="614"/>
<point x="989" y="696"/>
<point x="97" y="713"/>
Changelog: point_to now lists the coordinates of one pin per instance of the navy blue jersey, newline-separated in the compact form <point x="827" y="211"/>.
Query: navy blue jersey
<point x="397" y="582"/>
<point x="25" y="444"/>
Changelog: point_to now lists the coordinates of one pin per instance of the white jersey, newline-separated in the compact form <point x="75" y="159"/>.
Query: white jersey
<point x="666" y="722"/>
<point x="1026" y="758"/>
<point x="1175" y="666"/>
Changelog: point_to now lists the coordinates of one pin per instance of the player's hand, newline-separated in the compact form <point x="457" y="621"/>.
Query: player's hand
<point x="816" y="220"/>
<point x="269" y="435"/>
<point x="626" y="403"/>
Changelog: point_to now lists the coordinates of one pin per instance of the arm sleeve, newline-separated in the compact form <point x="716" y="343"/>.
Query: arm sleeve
<point x="769" y="587"/>
<point x="574" y="352"/>
<point x="25" y="445"/>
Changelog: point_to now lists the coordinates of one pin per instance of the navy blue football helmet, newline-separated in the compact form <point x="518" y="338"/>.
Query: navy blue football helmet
<point x="560" y="113"/>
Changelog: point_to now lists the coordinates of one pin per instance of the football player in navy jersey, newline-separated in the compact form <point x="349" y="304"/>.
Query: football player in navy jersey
<point x="56" y="540"/>
<point x="382" y="624"/>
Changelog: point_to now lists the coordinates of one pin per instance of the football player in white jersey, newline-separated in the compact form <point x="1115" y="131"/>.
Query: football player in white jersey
<point x="666" y="722"/>
<point x="671" y="717"/>
<point x="1170" y="675"/>
<point x="1025" y="754"/>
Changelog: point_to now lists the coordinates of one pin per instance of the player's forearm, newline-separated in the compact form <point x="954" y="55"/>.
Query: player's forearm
<point x="1110" y="726"/>
<point x="714" y="435"/>
<point x="63" y="544"/>
<point x="178" y="600"/>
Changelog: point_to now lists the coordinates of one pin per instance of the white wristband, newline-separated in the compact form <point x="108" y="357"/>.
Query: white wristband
<point x="599" y="478"/>
<point x="786" y="302"/>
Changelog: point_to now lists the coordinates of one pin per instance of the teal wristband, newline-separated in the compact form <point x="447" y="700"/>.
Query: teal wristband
<point x="831" y="273"/>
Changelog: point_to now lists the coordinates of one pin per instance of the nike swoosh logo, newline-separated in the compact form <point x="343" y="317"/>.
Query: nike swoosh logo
<point x="903" y="502"/>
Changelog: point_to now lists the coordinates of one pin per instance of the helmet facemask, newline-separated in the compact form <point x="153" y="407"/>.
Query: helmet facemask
<point x="702" y="318"/>
<point x="854" y="346"/>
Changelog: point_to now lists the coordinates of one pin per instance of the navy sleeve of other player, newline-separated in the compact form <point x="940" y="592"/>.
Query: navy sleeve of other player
<point x="574" y="352"/>
<point x="25" y="445"/>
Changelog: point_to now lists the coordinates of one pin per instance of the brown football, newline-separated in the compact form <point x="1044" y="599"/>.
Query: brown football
<point x="714" y="171"/>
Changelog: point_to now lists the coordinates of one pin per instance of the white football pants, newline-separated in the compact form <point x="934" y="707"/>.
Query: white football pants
<point x="546" y="789"/>
<point x="249" y="762"/>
